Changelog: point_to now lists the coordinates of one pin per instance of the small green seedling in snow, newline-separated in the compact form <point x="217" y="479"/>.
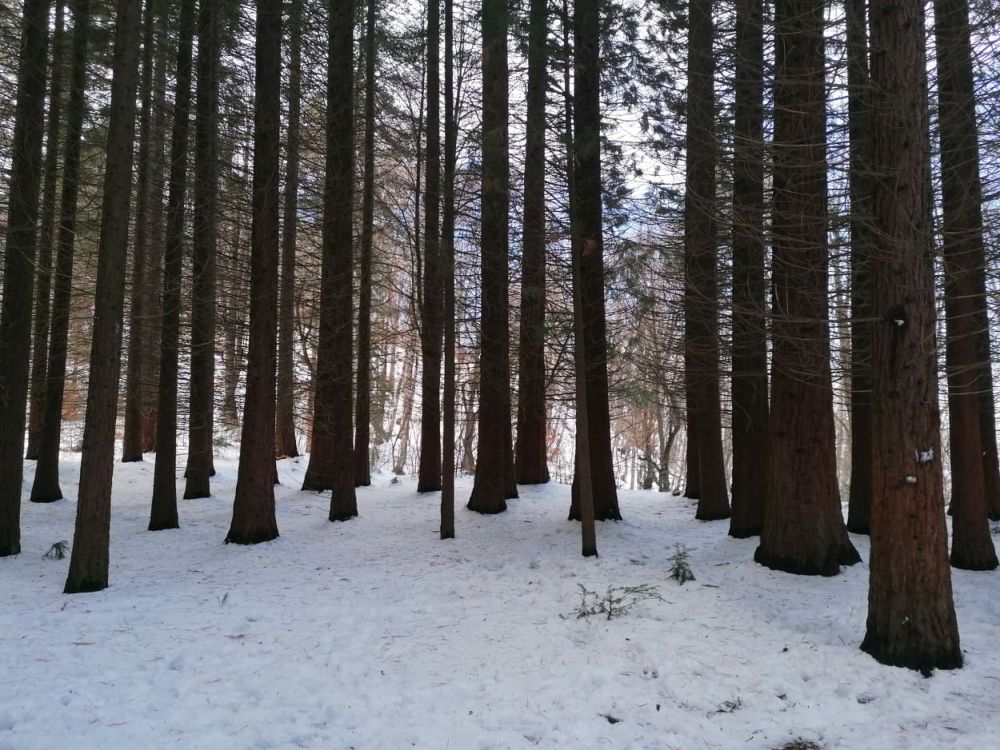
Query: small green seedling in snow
<point x="57" y="551"/>
<point x="680" y="569"/>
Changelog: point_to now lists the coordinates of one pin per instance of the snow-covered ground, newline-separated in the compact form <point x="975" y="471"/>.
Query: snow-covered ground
<point x="375" y="634"/>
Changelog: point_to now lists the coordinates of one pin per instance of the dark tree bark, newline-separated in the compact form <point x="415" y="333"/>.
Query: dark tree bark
<point x="911" y="614"/>
<point x="331" y="463"/>
<point x="284" y="437"/>
<point x="45" y="487"/>
<point x="531" y="449"/>
<point x="701" y="289"/>
<point x="448" y="268"/>
<point x="138" y="325"/>
<point x="749" y="378"/>
<point x="88" y="565"/>
<point x="253" y="506"/>
<point x="46" y="240"/>
<point x="201" y="422"/>
<point x="19" y="265"/>
<point x="860" y="133"/>
<point x="163" y="511"/>
<point x="429" y="472"/>
<point x="494" y="466"/>
<point x="967" y="347"/>
<point x="584" y="155"/>
<point x="803" y="530"/>
<point x="362" y="412"/>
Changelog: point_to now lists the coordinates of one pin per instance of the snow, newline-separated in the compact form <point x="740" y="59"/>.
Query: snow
<point x="376" y="634"/>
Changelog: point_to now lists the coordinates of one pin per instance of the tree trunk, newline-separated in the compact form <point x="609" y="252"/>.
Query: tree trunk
<point x="46" y="240"/>
<point x="531" y="454"/>
<point x="19" y="265"/>
<point x="803" y="530"/>
<point x="138" y="328"/>
<point x="911" y="613"/>
<point x="448" y="268"/>
<point x="45" y="487"/>
<point x="201" y="423"/>
<point x="284" y="437"/>
<point x="253" y="506"/>
<point x="331" y="463"/>
<point x="701" y="325"/>
<point x="431" y="313"/>
<point x="88" y="566"/>
<point x="163" y="511"/>
<point x="967" y="317"/>
<point x="408" y="388"/>
<point x="491" y="487"/>
<point x="749" y="378"/>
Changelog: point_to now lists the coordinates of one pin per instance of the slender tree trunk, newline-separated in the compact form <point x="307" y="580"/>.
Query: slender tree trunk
<point x="331" y="463"/>
<point x="911" y="613"/>
<point x="46" y="240"/>
<point x="138" y="327"/>
<point x="253" y="506"/>
<point x="19" y="265"/>
<point x="490" y="488"/>
<point x="45" y="487"/>
<point x="803" y="529"/>
<point x="531" y="459"/>
<point x="701" y="337"/>
<point x="163" y="511"/>
<point x="859" y="112"/>
<point x="201" y="422"/>
<point x="749" y="379"/>
<point x="408" y="388"/>
<point x="448" y="262"/>
<point x="88" y="566"/>
<point x="967" y="318"/>
<point x="284" y="437"/>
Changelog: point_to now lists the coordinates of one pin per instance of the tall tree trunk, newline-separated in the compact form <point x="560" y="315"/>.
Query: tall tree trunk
<point x="46" y="240"/>
<point x="19" y="265"/>
<point x="253" y="506"/>
<point x="491" y="487"/>
<point x="448" y="267"/>
<point x="701" y="305"/>
<point x="911" y="613"/>
<point x="968" y="346"/>
<point x="284" y="438"/>
<point x="45" y="487"/>
<point x="88" y="565"/>
<point x="138" y="327"/>
<point x="408" y="389"/>
<point x="429" y="472"/>
<point x="163" y="511"/>
<point x="331" y="463"/>
<point x="201" y="422"/>
<point x="860" y="133"/>
<point x="749" y="379"/>
<point x="803" y="529"/>
<point x="530" y="452"/>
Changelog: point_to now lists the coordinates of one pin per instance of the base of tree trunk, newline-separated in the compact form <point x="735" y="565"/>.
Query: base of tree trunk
<point x="744" y="531"/>
<point x="85" y="585"/>
<point x="163" y="525"/>
<point x="985" y="559"/>
<point x="43" y="501"/>
<point x="856" y="526"/>
<point x="342" y="516"/>
<point x="923" y="657"/>
<point x="366" y="482"/>
<point x="251" y="536"/>
<point x="712" y="514"/>
<point x="486" y="509"/>
<point x="131" y="459"/>
<point x="828" y="565"/>
<point x="45" y="494"/>
<point x="199" y="493"/>
<point x="8" y="550"/>
<point x="429" y="487"/>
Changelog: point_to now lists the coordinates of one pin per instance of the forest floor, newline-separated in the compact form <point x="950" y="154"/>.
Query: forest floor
<point x="376" y="634"/>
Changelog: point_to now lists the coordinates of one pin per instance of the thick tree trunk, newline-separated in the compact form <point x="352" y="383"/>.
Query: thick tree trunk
<point x="201" y="422"/>
<point x="138" y="328"/>
<point x="967" y="350"/>
<point x="46" y="484"/>
<point x="531" y="454"/>
<point x="429" y="472"/>
<point x="253" y="507"/>
<point x="88" y="566"/>
<point x="285" y="444"/>
<point x="701" y="305"/>
<point x="491" y="486"/>
<point x="46" y="240"/>
<point x="19" y="265"/>
<point x="911" y="613"/>
<point x="749" y="378"/>
<point x="163" y="510"/>
<point x="331" y="463"/>
<point x="803" y="530"/>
